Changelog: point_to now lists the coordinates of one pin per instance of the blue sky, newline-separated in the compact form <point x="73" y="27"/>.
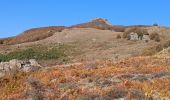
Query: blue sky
<point x="19" y="15"/>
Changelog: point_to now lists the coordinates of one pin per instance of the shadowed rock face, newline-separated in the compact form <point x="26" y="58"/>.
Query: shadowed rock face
<point x="17" y="65"/>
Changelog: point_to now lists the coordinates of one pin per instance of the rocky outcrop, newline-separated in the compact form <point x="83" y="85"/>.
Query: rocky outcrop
<point x="135" y="36"/>
<point x="100" y="23"/>
<point x="13" y="65"/>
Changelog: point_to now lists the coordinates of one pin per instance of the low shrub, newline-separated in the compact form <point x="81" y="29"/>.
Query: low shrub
<point x="118" y="36"/>
<point x="155" y="36"/>
<point x="157" y="48"/>
<point x="155" y="24"/>
<point x="36" y="52"/>
<point x="1" y="41"/>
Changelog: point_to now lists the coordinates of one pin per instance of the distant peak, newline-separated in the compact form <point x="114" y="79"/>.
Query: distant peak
<point x="101" y="20"/>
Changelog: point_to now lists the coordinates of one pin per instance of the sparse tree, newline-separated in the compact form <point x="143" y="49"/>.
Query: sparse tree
<point x="155" y="24"/>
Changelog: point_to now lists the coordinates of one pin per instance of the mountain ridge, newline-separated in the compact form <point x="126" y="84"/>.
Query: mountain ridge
<point x="40" y="33"/>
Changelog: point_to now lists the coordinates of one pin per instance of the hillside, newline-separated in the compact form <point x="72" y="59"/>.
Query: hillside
<point x="32" y="35"/>
<point x="96" y="44"/>
<point x="88" y="61"/>
<point x="100" y="43"/>
<point x="44" y="32"/>
<point x="137" y="78"/>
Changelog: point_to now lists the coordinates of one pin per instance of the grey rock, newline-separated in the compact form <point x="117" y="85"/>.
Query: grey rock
<point x="18" y="65"/>
<point x="5" y="66"/>
<point x="146" y="38"/>
<point x="33" y="62"/>
<point x="14" y="64"/>
<point x="140" y="77"/>
<point x="133" y="36"/>
<point x="29" y="68"/>
<point x="2" y="74"/>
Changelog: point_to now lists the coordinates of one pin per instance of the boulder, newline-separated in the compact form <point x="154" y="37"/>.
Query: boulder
<point x="146" y="38"/>
<point x="19" y="65"/>
<point x="33" y="62"/>
<point x="5" y="66"/>
<point x="133" y="36"/>
<point x="14" y="64"/>
<point x="30" y="68"/>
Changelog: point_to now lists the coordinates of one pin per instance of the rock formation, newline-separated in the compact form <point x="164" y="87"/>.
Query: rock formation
<point x="18" y="65"/>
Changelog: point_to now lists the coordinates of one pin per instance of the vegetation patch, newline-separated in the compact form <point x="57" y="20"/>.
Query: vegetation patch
<point x="157" y="48"/>
<point x="155" y="36"/>
<point x="38" y="52"/>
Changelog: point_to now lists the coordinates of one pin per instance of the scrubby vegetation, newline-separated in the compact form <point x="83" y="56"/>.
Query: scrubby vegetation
<point x="37" y="52"/>
<point x="118" y="36"/>
<point x="138" y="78"/>
<point x="155" y="36"/>
<point x="100" y="68"/>
<point x="155" y="49"/>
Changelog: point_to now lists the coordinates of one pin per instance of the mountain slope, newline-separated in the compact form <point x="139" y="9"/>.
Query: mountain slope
<point x="44" y="32"/>
<point x="33" y="35"/>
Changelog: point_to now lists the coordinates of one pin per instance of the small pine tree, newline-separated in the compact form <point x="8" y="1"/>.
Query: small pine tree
<point x="155" y="24"/>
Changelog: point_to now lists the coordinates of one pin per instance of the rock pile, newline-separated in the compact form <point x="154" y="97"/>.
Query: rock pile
<point x="26" y="66"/>
<point x="135" y="36"/>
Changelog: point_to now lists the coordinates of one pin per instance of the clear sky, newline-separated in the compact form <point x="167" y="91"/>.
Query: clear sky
<point x="19" y="15"/>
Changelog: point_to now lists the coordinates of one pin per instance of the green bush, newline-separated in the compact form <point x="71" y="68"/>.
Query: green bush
<point x="38" y="52"/>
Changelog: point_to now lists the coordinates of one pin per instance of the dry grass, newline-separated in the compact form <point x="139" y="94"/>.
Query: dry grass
<point x="32" y="35"/>
<point x="78" y="82"/>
